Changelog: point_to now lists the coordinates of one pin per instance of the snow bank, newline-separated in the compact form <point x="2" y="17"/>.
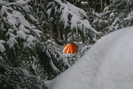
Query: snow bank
<point x="107" y="65"/>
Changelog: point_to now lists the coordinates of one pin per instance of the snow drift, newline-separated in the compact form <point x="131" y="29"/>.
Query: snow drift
<point x="107" y="65"/>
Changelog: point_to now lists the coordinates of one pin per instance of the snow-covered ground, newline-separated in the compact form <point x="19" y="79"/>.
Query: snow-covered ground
<point x="107" y="65"/>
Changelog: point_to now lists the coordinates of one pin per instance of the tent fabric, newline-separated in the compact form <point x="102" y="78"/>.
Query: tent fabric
<point x="70" y="48"/>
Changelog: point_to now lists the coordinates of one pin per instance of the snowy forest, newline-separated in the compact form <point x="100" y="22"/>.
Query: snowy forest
<point x="34" y="32"/>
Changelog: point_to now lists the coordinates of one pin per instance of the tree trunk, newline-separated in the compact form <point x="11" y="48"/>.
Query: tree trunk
<point x="108" y="2"/>
<point x="55" y="33"/>
<point x="65" y="36"/>
<point x="61" y="36"/>
<point x="132" y="1"/>
<point x="61" y="33"/>
<point x="83" y="40"/>
<point x="101" y="5"/>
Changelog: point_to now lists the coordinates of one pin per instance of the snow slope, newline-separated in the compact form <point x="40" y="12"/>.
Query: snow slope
<point x="107" y="65"/>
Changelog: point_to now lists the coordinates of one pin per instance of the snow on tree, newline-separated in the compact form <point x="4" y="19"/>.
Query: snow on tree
<point x="23" y="42"/>
<point x="73" y="19"/>
<point x="18" y="78"/>
<point x="22" y="39"/>
<point x="115" y="16"/>
<point x="18" y="30"/>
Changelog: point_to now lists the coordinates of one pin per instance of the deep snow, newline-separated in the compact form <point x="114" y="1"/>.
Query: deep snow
<point x="106" y="65"/>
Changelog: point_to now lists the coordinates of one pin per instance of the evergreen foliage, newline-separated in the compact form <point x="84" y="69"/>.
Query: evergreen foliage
<point x="115" y="16"/>
<point x="23" y="44"/>
<point x="18" y="78"/>
<point x="28" y="29"/>
<point x="72" y="19"/>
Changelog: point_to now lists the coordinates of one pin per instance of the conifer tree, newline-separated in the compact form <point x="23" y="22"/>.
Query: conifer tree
<point x="25" y="48"/>
<point x="115" y="16"/>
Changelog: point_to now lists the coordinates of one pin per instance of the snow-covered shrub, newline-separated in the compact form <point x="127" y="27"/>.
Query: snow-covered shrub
<point x="52" y="61"/>
<point x="115" y="16"/>
<point x="18" y="31"/>
<point x="22" y="39"/>
<point x="71" y="18"/>
<point x="18" y="78"/>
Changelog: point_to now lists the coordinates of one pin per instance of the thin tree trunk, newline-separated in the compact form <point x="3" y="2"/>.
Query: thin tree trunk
<point x="83" y="40"/>
<point x="132" y="1"/>
<point x="55" y="33"/>
<point x="65" y="36"/>
<point x="61" y="35"/>
<point x="108" y="2"/>
<point x="101" y="5"/>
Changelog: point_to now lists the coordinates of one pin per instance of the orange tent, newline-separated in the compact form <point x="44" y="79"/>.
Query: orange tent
<point x="70" y="48"/>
